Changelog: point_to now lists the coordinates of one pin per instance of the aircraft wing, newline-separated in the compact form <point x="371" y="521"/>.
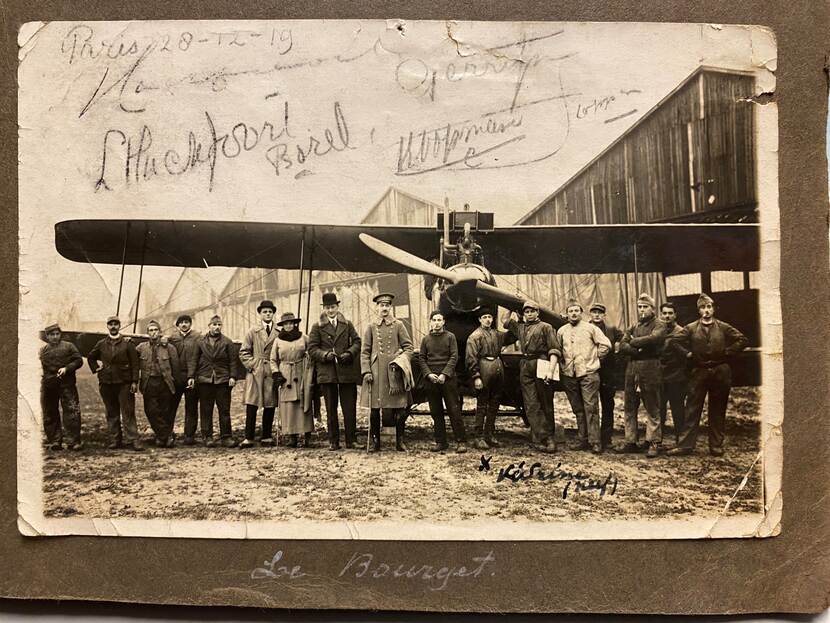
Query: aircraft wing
<point x="666" y="248"/>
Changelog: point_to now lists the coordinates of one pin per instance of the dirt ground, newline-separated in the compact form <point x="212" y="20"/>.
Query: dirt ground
<point x="284" y="483"/>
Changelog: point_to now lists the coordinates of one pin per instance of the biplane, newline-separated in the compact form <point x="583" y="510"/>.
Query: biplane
<point x="459" y="256"/>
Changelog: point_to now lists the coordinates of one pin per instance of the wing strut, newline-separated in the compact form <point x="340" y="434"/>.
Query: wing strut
<point x="302" y="267"/>
<point x="140" y="278"/>
<point x="123" y="264"/>
<point x="310" y="268"/>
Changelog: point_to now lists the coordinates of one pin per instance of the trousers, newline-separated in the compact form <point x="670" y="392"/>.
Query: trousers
<point x="439" y="395"/>
<point x="717" y="383"/>
<point x="347" y="395"/>
<point x="119" y="404"/>
<point x="191" y="409"/>
<point x="674" y="395"/>
<point x="219" y="395"/>
<point x="157" y="399"/>
<point x="267" y="422"/>
<point x="607" y="393"/>
<point x="645" y="388"/>
<point x="538" y="402"/>
<point x="65" y="396"/>
<point x="487" y="407"/>
<point x="583" y="394"/>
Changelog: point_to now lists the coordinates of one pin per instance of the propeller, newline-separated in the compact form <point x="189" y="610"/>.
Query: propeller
<point x="458" y="277"/>
<point x="404" y="258"/>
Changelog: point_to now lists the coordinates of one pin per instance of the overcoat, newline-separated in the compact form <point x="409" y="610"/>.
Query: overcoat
<point x="323" y="339"/>
<point x="254" y="355"/>
<point x="383" y="340"/>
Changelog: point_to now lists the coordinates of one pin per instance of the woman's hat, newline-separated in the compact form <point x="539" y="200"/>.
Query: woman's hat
<point x="288" y="317"/>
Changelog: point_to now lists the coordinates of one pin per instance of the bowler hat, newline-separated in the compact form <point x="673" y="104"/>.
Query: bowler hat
<point x="598" y="307"/>
<point x="383" y="297"/>
<point x="287" y="317"/>
<point x="265" y="305"/>
<point x="330" y="298"/>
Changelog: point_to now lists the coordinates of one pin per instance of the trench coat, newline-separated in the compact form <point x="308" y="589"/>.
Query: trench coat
<point x="254" y="355"/>
<point x="383" y="341"/>
<point x="292" y="361"/>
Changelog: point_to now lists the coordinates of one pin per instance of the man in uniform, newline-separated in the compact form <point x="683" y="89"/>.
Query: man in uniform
<point x="184" y="340"/>
<point x="118" y="383"/>
<point x="673" y="369"/>
<point x="485" y="367"/>
<point x="709" y="344"/>
<point x="607" y="373"/>
<point x="259" y="386"/>
<point x="158" y="367"/>
<point x="643" y="343"/>
<point x="538" y="342"/>
<point x="438" y="358"/>
<point x="334" y="346"/>
<point x="213" y="364"/>
<point x="59" y="360"/>
<point x="584" y="345"/>
<point x="384" y="341"/>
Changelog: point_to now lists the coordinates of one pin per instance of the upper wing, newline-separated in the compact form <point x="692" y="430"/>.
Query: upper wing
<point x="666" y="248"/>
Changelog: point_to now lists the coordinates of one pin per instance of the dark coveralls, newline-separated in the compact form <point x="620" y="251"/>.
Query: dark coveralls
<point x="55" y="390"/>
<point x="643" y="343"/>
<point x="711" y="347"/>
<point x="483" y="358"/>
<point x="439" y="355"/>
<point x="538" y="341"/>
<point x="674" y="369"/>
<point x="118" y="370"/>
<point x="337" y="377"/>
<point x="159" y="364"/>
<point x="212" y="364"/>
<point x="184" y="345"/>
<point x="607" y="382"/>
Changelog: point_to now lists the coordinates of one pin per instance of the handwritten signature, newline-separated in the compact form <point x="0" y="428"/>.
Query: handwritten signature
<point x="575" y="482"/>
<point x="134" y="159"/>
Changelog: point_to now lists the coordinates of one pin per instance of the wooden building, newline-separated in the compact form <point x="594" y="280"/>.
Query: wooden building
<point x="690" y="159"/>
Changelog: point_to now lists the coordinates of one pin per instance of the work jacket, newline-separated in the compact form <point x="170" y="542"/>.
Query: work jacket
<point x="674" y="365"/>
<point x="713" y="347"/>
<point x="583" y="346"/>
<point x="325" y="338"/>
<point x="118" y="361"/>
<point x="159" y="359"/>
<point x="61" y="355"/>
<point x="184" y="345"/>
<point x="485" y="345"/>
<point x="214" y="362"/>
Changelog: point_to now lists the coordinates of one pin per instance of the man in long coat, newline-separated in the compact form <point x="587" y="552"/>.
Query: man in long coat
<point x="158" y="369"/>
<point x="259" y="386"/>
<point x="334" y="347"/>
<point x="643" y="380"/>
<point x="383" y="341"/>
<point x="184" y="340"/>
<point x="709" y="344"/>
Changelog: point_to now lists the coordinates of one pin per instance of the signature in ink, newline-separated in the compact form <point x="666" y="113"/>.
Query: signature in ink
<point x="574" y="482"/>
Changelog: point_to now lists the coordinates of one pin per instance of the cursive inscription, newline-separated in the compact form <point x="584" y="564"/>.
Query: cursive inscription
<point x="364" y="566"/>
<point x="574" y="482"/>
<point x="273" y="570"/>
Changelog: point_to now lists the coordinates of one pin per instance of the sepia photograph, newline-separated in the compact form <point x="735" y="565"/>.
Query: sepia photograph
<point x="398" y="279"/>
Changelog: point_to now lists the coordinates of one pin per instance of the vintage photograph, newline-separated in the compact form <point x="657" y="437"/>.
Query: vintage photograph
<point x="398" y="279"/>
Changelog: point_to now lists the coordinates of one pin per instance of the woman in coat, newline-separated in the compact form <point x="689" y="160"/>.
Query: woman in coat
<point x="290" y="364"/>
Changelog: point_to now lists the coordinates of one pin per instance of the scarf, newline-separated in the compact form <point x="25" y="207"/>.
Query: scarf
<point x="289" y="336"/>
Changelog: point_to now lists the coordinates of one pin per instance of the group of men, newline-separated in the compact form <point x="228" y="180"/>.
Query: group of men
<point x="666" y="363"/>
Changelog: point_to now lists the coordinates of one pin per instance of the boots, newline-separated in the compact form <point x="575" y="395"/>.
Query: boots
<point x="374" y="430"/>
<point x="400" y="427"/>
